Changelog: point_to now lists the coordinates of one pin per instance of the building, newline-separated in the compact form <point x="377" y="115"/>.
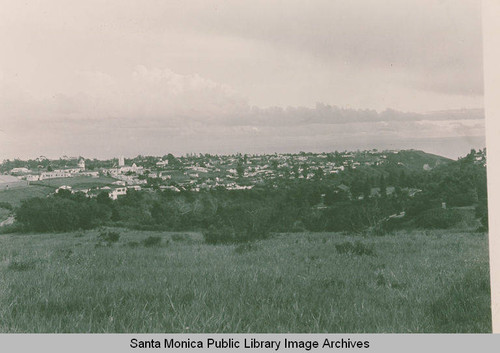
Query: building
<point x="19" y="171"/>
<point x="121" y="161"/>
<point x="117" y="192"/>
<point x="64" y="187"/>
<point x="55" y="174"/>
<point x="81" y="164"/>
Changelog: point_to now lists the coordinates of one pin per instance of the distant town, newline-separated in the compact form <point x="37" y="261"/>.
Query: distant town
<point x="195" y="172"/>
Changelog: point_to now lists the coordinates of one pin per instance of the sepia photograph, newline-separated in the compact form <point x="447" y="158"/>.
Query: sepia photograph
<point x="214" y="166"/>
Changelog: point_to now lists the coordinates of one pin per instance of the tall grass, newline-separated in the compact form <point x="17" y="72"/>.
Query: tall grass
<point x="301" y="282"/>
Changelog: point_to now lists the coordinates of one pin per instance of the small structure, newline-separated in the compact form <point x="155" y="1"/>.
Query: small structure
<point x="113" y="195"/>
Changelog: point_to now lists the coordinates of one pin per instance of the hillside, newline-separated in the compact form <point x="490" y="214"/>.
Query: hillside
<point x="325" y="282"/>
<point x="416" y="160"/>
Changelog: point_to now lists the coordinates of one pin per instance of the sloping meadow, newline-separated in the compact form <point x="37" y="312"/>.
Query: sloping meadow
<point x="433" y="281"/>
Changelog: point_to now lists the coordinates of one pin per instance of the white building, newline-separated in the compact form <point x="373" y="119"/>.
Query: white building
<point x="117" y="192"/>
<point x="32" y="177"/>
<point x="19" y="170"/>
<point x="54" y="174"/>
<point x="121" y="161"/>
<point x="162" y="163"/>
<point x="64" y="187"/>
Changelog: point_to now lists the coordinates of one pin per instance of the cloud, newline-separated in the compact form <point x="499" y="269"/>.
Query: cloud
<point x="144" y="77"/>
<point x="153" y="110"/>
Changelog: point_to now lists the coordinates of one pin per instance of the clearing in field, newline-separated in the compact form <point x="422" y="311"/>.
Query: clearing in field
<point x="131" y="281"/>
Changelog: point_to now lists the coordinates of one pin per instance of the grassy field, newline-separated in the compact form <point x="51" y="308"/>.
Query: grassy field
<point x="45" y="187"/>
<point x="81" y="182"/>
<point x="15" y="196"/>
<point x="303" y="282"/>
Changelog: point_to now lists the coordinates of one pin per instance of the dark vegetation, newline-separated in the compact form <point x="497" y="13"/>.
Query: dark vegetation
<point x="108" y="237"/>
<point x="356" y="200"/>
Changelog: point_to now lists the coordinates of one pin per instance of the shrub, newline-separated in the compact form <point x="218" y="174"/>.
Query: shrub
<point x="22" y="265"/>
<point x="151" y="241"/>
<point x="388" y="226"/>
<point x="220" y="235"/>
<point x="6" y="205"/>
<point x="356" y="248"/>
<point x="109" y="237"/>
<point x="180" y="237"/>
<point x="298" y="226"/>
<point x="59" y="214"/>
<point x="132" y="244"/>
<point x="437" y="218"/>
<point x="481" y="212"/>
<point x="243" y="248"/>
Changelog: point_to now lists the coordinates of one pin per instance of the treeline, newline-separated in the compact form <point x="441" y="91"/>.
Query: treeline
<point x="250" y="213"/>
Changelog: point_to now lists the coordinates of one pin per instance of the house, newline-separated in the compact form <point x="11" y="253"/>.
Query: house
<point x="113" y="195"/>
<point x="91" y="174"/>
<point x="162" y="164"/>
<point x="19" y="171"/>
<point x="55" y="174"/>
<point x="63" y="187"/>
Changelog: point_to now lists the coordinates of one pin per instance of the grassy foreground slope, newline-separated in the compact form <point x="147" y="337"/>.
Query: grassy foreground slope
<point x="304" y="282"/>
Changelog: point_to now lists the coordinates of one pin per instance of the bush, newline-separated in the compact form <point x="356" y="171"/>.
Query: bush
<point x="481" y="212"/>
<point x="298" y="226"/>
<point x="109" y="237"/>
<point x="356" y="248"/>
<point x="243" y="248"/>
<point x="132" y="244"/>
<point x="388" y="226"/>
<point x="151" y="241"/>
<point x="181" y="237"/>
<point x="220" y="235"/>
<point x="437" y="218"/>
<point x="59" y="214"/>
<point x="6" y="205"/>
<point x="22" y="265"/>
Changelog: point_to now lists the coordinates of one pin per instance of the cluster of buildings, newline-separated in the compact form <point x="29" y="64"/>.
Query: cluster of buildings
<point x="29" y="175"/>
<point x="201" y="172"/>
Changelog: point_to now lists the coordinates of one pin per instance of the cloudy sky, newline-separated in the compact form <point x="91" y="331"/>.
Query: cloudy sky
<point x="122" y="77"/>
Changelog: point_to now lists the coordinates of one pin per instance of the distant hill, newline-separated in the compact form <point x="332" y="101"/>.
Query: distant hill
<point x="416" y="160"/>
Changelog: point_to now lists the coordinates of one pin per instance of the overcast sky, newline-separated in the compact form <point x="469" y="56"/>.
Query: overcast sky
<point x="108" y="78"/>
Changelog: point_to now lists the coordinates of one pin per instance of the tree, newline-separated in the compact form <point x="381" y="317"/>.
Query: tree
<point x="383" y="186"/>
<point x="240" y="169"/>
<point x="305" y="170"/>
<point x="319" y="173"/>
<point x="103" y="198"/>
